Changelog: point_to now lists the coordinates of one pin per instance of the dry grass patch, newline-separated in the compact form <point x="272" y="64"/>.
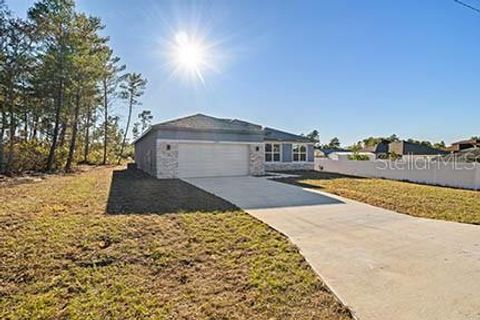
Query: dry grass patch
<point x="409" y="198"/>
<point x="62" y="257"/>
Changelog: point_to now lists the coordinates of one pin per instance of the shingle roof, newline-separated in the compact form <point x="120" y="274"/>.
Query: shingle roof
<point x="327" y="151"/>
<point x="277" y="135"/>
<point x="470" y="141"/>
<point x="201" y="121"/>
<point x="419" y="149"/>
<point x="381" y="147"/>
<point x="467" y="155"/>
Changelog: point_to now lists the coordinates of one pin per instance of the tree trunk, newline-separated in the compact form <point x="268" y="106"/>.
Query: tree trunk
<point x="25" y="126"/>
<point x="73" y="141"/>
<point x="63" y="133"/>
<point x="53" y="147"/>
<point x="87" y="135"/>
<point x="2" y="134"/>
<point x="105" y="129"/>
<point x="34" y="127"/>
<point x="11" y="127"/>
<point x="130" y="106"/>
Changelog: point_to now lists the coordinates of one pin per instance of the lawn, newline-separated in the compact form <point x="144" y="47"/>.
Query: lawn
<point x="71" y="247"/>
<point x="404" y="197"/>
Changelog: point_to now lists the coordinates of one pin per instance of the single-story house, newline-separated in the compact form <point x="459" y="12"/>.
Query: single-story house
<point x="326" y="152"/>
<point x="380" y="149"/>
<point x="204" y="146"/>
<point x="466" y="155"/>
<point x="464" y="144"/>
<point x="349" y="155"/>
<point x="403" y="149"/>
<point x="413" y="150"/>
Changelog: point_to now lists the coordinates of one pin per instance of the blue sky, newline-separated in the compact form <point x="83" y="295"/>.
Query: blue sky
<point x="349" y="69"/>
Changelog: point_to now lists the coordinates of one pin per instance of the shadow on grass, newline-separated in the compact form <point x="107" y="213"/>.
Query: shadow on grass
<point x="135" y="192"/>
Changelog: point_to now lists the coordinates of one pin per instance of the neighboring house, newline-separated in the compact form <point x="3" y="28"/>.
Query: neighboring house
<point x="326" y="152"/>
<point x="204" y="146"/>
<point x="413" y="150"/>
<point x="350" y="155"/>
<point x="403" y="149"/>
<point x="465" y="155"/>
<point x="463" y="145"/>
<point x="380" y="149"/>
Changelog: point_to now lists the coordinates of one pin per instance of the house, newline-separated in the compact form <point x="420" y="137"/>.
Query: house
<point x="465" y="155"/>
<point x="406" y="149"/>
<point x="351" y="155"/>
<point x="380" y="149"/>
<point x="326" y="152"/>
<point x="204" y="146"/>
<point x="464" y="144"/>
<point x="342" y="154"/>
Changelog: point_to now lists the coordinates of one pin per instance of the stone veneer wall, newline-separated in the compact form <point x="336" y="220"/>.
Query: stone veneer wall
<point x="256" y="159"/>
<point x="283" y="166"/>
<point x="167" y="160"/>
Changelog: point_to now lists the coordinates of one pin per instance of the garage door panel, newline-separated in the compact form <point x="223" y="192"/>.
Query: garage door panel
<point x="209" y="160"/>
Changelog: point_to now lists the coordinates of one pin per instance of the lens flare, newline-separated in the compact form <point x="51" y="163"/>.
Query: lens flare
<point x="191" y="56"/>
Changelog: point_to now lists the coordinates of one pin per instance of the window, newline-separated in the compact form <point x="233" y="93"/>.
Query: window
<point x="299" y="152"/>
<point x="272" y="152"/>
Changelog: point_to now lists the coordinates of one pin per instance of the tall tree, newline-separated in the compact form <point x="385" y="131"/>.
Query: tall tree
<point x="5" y="15"/>
<point x="53" y="21"/>
<point x="17" y="44"/>
<point x="111" y="78"/>
<point x="132" y="90"/>
<point x="86" y="67"/>
<point x="56" y="74"/>
<point x="145" y="118"/>
<point x="334" y="143"/>
<point x="314" y="136"/>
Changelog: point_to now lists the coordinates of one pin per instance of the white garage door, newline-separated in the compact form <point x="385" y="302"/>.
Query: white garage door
<point x="212" y="160"/>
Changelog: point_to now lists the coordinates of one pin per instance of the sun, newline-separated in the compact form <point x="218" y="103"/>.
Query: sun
<point x="190" y="55"/>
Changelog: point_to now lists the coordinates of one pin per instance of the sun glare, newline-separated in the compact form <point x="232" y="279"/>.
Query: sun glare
<point x="190" y="56"/>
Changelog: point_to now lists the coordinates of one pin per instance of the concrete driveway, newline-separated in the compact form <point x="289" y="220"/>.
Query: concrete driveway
<point x="381" y="264"/>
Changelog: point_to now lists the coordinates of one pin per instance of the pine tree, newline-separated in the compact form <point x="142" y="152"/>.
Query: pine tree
<point x="132" y="90"/>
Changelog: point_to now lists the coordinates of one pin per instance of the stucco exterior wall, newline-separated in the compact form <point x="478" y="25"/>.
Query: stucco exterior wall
<point x="145" y="155"/>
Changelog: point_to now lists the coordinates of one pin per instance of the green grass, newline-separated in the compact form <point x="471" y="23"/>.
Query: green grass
<point x="404" y="197"/>
<point x="63" y="257"/>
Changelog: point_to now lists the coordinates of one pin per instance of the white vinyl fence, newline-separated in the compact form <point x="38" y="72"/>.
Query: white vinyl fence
<point x="460" y="175"/>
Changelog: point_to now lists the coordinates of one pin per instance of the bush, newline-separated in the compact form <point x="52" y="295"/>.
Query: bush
<point x="359" y="157"/>
<point x="32" y="155"/>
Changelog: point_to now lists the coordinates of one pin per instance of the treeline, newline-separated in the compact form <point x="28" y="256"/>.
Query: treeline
<point x="59" y="82"/>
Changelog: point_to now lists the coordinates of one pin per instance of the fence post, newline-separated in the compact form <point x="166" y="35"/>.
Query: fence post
<point x="477" y="177"/>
